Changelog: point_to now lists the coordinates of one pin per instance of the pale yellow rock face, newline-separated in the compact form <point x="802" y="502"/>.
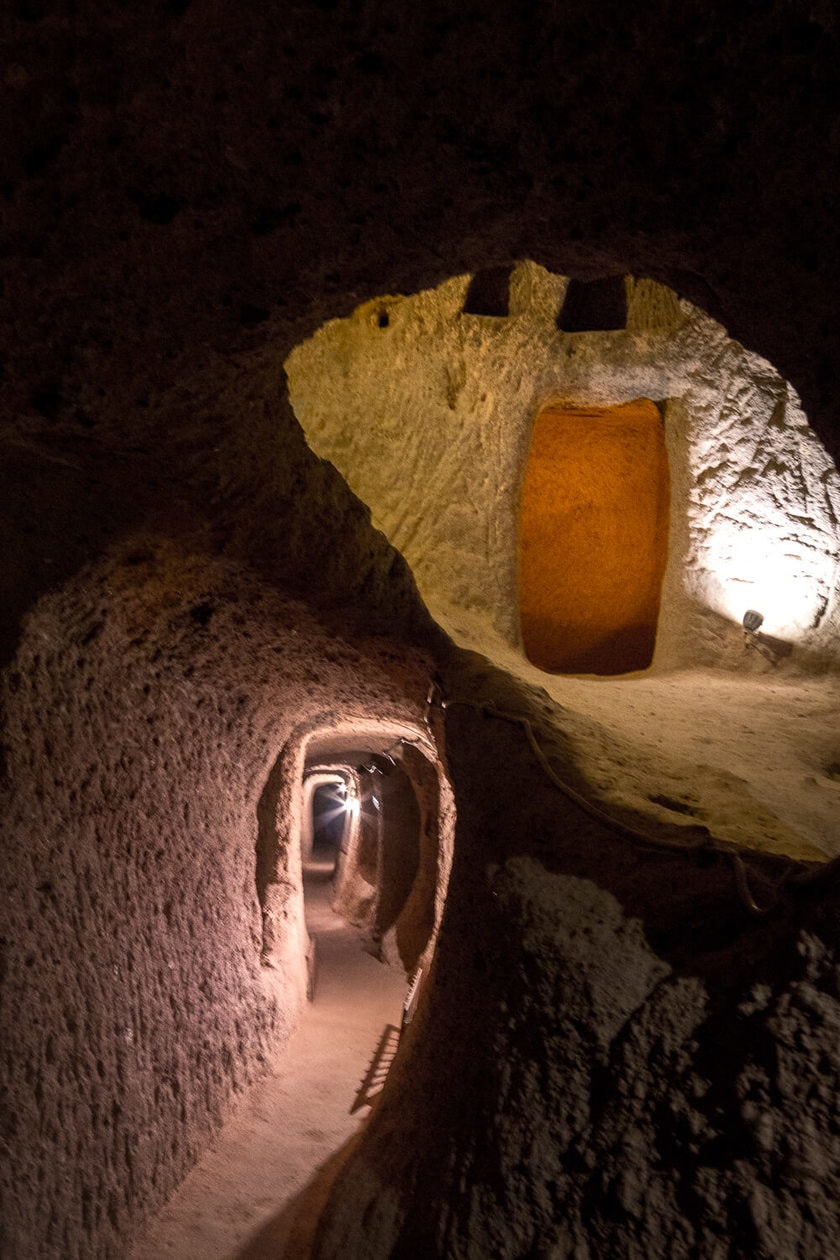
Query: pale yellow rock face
<point x="428" y="413"/>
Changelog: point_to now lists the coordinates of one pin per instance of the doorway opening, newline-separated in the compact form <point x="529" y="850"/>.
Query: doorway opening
<point x="365" y="809"/>
<point x="328" y="813"/>
<point x="369" y="815"/>
<point x="328" y="822"/>
<point x="593" y="538"/>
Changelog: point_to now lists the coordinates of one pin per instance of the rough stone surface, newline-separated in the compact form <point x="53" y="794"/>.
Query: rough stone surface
<point x="147" y="704"/>
<point x="188" y="192"/>
<point x="677" y="1060"/>
<point x="428" y="412"/>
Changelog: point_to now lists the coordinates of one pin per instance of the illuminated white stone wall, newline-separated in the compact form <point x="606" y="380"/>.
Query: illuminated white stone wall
<point x="427" y="412"/>
<point x="764" y="501"/>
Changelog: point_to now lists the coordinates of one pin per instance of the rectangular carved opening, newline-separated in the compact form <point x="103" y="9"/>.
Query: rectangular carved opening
<point x="593" y="538"/>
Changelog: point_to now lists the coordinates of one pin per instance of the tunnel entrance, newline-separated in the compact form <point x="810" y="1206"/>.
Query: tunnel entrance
<point x="329" y="822"/>
<point x="593" y="538"/>
<point x="364" y="810"/>
<point x="362" y="831"/>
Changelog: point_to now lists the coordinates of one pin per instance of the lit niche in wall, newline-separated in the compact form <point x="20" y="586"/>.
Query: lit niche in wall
<point x="426" y="404"/>
<point x="593" y="539"/>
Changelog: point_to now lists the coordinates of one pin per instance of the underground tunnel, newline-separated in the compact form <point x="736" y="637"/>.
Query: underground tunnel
<point x="613" y="482"/>
<point x="375" y="823"/>
<point x="285" y="308"/>
<point x="330" y="811"/>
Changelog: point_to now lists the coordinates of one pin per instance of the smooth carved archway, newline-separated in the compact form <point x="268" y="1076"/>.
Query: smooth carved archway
<point x="593" y="538"/>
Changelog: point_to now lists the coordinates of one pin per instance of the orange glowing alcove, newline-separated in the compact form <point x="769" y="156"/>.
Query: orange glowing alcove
<point x="593" y="538"/>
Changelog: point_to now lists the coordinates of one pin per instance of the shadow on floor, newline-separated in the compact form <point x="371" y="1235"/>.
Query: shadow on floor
<point x="374" y="1079"/>
<point x="289" y="1236"/>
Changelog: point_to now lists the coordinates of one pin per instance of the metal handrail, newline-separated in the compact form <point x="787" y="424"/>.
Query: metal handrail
<point x="411" y="999"/>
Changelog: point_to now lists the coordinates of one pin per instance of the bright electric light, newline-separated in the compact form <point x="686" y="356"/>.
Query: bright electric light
<point x="351" y="806"/>
<point x="344" y="803"/>
<point x="759" y="567"/>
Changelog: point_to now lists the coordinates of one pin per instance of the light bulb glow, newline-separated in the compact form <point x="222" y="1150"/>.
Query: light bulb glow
<point x="761" y="567"/>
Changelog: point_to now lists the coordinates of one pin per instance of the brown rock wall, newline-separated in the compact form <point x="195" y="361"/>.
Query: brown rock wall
<point x="145" y="707"/>
<point x="613" y="1057"/>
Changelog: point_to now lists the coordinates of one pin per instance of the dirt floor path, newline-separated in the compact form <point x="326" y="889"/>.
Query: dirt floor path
<point x="257" y="1193"/>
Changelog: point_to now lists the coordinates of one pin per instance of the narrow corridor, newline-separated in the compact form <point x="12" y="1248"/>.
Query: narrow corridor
<point x="244" y="1200"/>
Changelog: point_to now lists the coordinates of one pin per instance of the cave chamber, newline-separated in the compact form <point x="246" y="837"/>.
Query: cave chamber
<point x="283" y="305"/>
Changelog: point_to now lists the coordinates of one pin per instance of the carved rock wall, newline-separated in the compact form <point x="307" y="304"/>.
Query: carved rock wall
<point x="145" y="706"/>
<point x="190" y="191"/>
<point x="427" y="410"/>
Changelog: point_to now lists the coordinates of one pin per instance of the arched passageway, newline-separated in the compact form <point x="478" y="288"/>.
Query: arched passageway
<point x="328" y="823"/>
<point x="329" y="808"/>
<point x="370" y="824"/>
<point x="358" y="818"/>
